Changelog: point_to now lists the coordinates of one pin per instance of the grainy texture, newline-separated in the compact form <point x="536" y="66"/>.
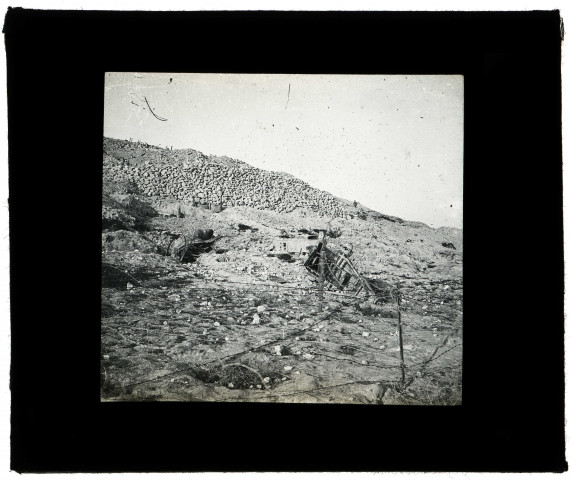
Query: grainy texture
<point x="238" y="319"/>
<point x="189" y="175"/>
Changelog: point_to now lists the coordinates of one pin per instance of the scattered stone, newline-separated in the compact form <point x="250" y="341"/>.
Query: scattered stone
<point x="288" y="368"/>
<point x="214" y="186"/>
<point x="231" y="385"/>
<point x="237" y="305"/>
<point x="255" y="319"/>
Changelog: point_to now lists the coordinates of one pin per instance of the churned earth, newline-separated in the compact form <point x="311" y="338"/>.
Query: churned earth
<point x="239" y="320"/>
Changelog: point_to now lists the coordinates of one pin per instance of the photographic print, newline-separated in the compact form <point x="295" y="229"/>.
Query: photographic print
<point x="282" y="238"/>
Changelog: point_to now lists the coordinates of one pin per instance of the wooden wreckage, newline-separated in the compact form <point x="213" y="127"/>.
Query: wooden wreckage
<point x="188" y="248"/>
<point x="341" y="275"/>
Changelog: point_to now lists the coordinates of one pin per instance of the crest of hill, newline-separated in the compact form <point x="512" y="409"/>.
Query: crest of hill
<point x="141" y="151"/>
<point x="187" y="174"/>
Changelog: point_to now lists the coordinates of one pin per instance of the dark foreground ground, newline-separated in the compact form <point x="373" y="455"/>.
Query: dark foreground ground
<point x="239" y="325"/>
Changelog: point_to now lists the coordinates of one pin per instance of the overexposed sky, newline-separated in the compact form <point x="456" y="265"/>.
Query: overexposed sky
<point x="393" y="143"/>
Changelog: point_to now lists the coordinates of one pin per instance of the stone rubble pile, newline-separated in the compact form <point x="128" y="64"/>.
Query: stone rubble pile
<point x="211" y="181"/>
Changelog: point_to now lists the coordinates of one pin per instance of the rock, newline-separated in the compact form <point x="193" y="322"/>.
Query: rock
<point x="288" y="368"/>
<point x="261" y="308"/>
<point x="255" y="319"/>
<point x="216" y="324"/>
<point x="167" y="174"/>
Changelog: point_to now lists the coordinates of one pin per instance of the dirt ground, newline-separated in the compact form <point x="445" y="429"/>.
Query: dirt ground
<point x="240" y="323"/>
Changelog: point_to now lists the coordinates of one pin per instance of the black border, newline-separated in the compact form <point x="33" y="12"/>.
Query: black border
<point x="512" y="418"/>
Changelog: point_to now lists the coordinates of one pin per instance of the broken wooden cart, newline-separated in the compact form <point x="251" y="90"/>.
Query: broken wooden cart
<point x="341" y="275"/>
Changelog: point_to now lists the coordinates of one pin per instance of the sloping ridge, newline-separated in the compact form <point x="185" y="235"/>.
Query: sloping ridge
<point x="189" y="175"/>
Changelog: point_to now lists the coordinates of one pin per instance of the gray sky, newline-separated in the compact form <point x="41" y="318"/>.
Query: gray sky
<point x="393" y="143"/>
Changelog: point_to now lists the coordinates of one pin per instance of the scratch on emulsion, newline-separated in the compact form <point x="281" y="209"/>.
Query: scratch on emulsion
<point x="288" y="97"/>
<point x="151" y="110"/>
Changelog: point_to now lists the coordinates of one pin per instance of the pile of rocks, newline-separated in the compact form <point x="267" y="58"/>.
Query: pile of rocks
<point x="211" y="181"/>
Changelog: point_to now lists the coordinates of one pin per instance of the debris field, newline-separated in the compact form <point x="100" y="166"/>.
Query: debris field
<point x="218" y="305"/>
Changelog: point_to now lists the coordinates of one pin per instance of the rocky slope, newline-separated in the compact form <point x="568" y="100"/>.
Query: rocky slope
<point x="192" y="176"/>
<point x="239" y="322"/>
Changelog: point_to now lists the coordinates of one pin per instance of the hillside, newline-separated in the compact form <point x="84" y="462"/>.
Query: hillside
<point x="249" y="293"/>
<point x="194" y="177"/>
